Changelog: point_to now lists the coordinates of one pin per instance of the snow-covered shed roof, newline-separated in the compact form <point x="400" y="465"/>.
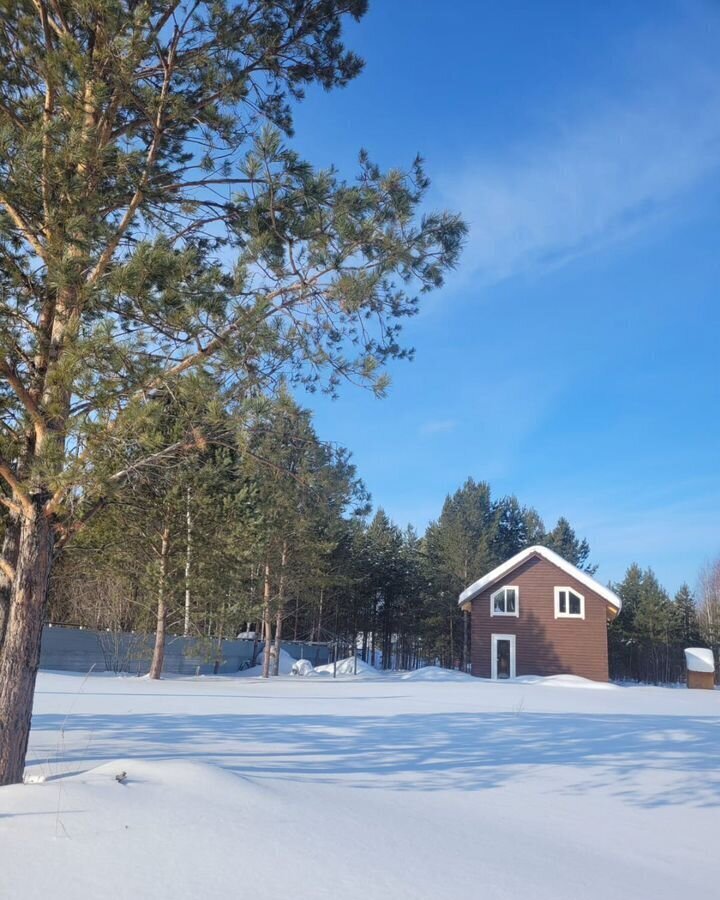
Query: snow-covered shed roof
<point x="497" y="573"/>
<point x="699" y="659"/>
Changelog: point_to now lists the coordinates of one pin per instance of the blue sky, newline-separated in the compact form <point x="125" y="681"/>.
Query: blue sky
<point x="573" y="357"/>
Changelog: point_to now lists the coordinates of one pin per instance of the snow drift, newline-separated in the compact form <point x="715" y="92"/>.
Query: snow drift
<point x="285" y="668"/>
<point x="565" y="681"/>
<point x="347" y="667"/>
<point x="301" y="667"/>
<point x="434" y="673"/>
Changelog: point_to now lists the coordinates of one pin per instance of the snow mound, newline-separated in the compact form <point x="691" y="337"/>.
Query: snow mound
<point x="347" y="667"/>
<point x="568" y="681"/>
<point x="285" y="668"/>
<point x="301" y="667"/>
<point x="192" y="776"/>
<point x="435" y="673"/>
<point x="286" y="661"/>
<point x="699" y="659"/>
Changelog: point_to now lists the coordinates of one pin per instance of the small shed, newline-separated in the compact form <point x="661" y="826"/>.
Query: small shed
<point x="700" y="668"/>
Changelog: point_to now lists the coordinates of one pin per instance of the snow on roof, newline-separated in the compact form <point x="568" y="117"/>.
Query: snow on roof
<point x="550" y="555"/>
<point x="699" y="659"/>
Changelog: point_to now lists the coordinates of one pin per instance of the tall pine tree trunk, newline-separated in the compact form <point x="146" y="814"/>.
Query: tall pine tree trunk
<point x="267" y="619"/>
<point x="280" y="610"/>
<point x="317" y="636"/>
<point x="188" y="559"/>
<point x="278" y="641"/>
<point x="21" y="649"/>
<point x="158" y="658"/>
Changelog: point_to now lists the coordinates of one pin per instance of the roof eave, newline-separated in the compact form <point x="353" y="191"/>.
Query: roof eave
<point x="477" y="587"/>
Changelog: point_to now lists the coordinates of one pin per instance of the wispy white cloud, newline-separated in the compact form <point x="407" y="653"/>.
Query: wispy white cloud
<point x="438" y="426"/>
<point x="613" y="165"/>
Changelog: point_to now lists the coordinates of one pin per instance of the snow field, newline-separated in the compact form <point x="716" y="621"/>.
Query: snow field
<point x="434" y="785"/>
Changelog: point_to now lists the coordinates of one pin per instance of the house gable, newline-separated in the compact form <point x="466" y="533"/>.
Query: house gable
<point x="503" y="573"/>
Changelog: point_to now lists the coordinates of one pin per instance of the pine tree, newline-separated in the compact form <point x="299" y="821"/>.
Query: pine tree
<point x="305" y="488"/>
<point x="653" y="624"/>
<point x="563" y="540"/>
<point x="458" y="544"/>
<point x="686" y="618"/>
<point x="622" y="635"/>
<point x="648" y="637"/>
<point x="154" y="221"/>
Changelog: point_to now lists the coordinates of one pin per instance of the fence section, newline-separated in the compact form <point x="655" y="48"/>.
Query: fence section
<point x="80" y="649"/>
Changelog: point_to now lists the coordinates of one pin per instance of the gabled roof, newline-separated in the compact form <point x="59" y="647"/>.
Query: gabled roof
<point x="477" y="586"/>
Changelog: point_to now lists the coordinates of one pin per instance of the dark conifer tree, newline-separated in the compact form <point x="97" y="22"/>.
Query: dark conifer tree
<point x="563" y="540"/>
<point x="687" y="626"/>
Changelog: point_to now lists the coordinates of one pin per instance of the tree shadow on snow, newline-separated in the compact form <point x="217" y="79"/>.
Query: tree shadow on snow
<point x="644" y="760"/>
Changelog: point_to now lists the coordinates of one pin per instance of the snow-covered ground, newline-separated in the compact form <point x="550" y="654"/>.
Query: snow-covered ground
<point x="380" y="787"/>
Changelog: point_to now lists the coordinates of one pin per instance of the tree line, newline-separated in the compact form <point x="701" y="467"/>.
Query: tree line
<point x="647" y="640"/>
<point x="269" y="532"/>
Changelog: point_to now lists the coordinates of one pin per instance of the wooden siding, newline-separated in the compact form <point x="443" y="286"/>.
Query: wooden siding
<point x="701" y="680"/>
<point x="544" y="645"/>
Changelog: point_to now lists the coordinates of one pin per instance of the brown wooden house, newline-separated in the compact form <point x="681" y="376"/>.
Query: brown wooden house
<point x="537" y="614"/>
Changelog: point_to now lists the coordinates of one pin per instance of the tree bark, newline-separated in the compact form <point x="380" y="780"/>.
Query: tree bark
<point x="10" y="555"/>
<point x="21" y="650"/>
<point x="267" y="618"/>
<point x="158" y="658"/>
<point x="280" y="610"/>
<point x="278" y="640"/>
<point x="317" y="635"/>
<point x="188" y="559"/>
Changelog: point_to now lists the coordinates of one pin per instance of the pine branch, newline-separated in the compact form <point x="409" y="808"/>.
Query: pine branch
<point x="24" y="505"/>
<point x="47" y="20"/>
<point x="9" y="505"/>
<point x="112" y="245"/>
<point x="23" y="227"/>
<point x="122" y="476"/>
<point x="24" y="397"/>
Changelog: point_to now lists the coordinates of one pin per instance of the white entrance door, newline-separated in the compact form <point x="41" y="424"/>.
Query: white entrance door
<point x="503" y="656"/>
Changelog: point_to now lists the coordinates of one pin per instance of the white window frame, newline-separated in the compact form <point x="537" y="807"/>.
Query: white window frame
<point x="494" y="638"/>
<point x="494" y="594"/>
<point x="568" y="614"/>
